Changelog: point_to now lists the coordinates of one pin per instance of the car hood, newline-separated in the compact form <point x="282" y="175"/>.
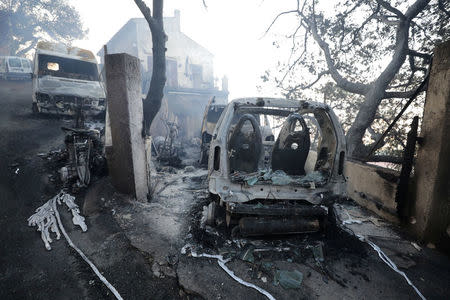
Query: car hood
<point x="66" y="86"/>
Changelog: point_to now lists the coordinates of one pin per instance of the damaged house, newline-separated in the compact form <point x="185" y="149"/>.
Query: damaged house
<point x="189" y="70"/>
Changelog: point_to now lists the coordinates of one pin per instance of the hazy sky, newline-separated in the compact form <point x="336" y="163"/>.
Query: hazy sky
<point x="231" y="29"/>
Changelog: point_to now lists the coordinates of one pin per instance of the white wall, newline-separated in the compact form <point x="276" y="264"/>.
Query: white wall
<point x="179" y="46"/>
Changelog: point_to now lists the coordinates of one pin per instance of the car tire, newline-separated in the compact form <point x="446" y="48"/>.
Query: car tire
<point x="34" y="108"/>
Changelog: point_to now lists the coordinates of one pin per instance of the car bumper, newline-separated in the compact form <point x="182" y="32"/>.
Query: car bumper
<point x="67" y="109"/>
<point x="16" y="76"/>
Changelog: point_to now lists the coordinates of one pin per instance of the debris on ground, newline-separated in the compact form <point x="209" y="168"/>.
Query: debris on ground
<point x="48" y="218"/>
<point x="247" y="253"/>
<point x="279" y="177"/>
<point x="45" y="217"/>
<point x="288" y="279"/>
<point x="189" y="169"/>
<point x="416" y="246"/>
<point x="222" y="263"/>
<point x="317" y="252"/>
<point x="364" y="232"/>
<point x="168" y="149"/>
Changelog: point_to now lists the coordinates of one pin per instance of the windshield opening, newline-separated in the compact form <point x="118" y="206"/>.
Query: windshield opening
<point x="214" y="113"/>
<point x="14" y="63"/>
<point x="25" y="63"/>
<point x="281" y="146"/>
<point x="67" y="68"/>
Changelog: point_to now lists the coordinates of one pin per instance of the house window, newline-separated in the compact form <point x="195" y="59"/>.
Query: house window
<point x="197" y="78"/>
<point x="172" y="72"/>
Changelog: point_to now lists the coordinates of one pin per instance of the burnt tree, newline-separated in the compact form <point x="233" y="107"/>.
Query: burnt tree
<point x="152" y="102"/>
<point x="368" y="48"/>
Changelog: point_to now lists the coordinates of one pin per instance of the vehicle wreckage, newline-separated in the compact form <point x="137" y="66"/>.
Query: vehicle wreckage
<point x="212" y="113"/>
<point x="65" y="78"/>
<point x="274" y="164"/>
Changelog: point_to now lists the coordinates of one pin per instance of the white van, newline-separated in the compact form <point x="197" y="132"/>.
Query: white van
<point x="15" y="68"/>
<point x="66" y="79"/>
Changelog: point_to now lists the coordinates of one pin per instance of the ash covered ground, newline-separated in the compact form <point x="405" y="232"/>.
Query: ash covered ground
<point x="146" y="249"/>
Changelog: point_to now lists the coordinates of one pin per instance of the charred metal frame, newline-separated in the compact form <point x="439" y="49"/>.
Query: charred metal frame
<point x="219" y="182"/>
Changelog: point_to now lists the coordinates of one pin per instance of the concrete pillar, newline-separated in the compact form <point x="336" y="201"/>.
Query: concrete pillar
<point x="432" y="169"/>
<point x="125" y="146"/>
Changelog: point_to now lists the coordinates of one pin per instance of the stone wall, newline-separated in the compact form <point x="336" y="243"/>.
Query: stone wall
<point x="432" y="168"/>
<point x="373" y="187"/>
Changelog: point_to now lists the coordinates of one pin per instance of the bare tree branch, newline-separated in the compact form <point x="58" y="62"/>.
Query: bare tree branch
<point x="276" y="18"/>
<point x="292" y="65"/>
<point x="307" y="86"/>
<point x="415" y="9"/>
<point x="393" y="10"/>
<point x="352" y="87"/>
<point x="425" y="56"/>
<point x="25" y="50"/>
<point x="356" y="32"/>
<point x="386" y="20"/>
<point x="406" y="94"/>
<point x="345" y="14"/>
<point x="145" y="10"/>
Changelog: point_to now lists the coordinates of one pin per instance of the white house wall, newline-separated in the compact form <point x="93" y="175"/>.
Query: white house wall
<point x="124" y="41"/>
<point x="179" y="47"/>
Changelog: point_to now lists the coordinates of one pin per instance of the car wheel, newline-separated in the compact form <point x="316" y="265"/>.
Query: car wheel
<point x="34" y="108"/>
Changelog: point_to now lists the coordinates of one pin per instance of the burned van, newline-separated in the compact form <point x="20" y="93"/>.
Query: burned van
<point x="66" y="80"/>
<point x="279" y="183"/>
<point x="15" y="68"/>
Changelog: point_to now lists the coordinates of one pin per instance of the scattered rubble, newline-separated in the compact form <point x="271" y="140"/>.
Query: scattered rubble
<point x="288" y="279"/>
<point x="222" y="263"/>
<point x="47" y="218"/>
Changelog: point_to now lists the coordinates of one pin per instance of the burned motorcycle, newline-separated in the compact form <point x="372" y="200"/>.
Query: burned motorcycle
<point x="84" y="150"/>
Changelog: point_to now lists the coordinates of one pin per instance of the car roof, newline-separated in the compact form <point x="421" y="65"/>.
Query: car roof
<point x="278" y="102"/>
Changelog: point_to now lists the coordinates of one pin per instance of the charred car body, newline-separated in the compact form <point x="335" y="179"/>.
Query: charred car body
<point x="65" y="79"/>
<point x="275" y="184"/>
<point x="212" y="113"/>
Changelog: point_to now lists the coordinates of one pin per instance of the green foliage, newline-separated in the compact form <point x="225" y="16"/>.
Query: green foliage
<point x="24" y="22"/>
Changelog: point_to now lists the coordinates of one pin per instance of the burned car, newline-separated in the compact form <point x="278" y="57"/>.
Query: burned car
<point x="274" y="163"/>
<point x="65" y="79"/>
<point x="212" y="113"/>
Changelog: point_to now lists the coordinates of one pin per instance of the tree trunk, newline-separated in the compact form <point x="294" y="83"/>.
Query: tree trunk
<point x="376" y="94"/>
<point x="152" y="102"/>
